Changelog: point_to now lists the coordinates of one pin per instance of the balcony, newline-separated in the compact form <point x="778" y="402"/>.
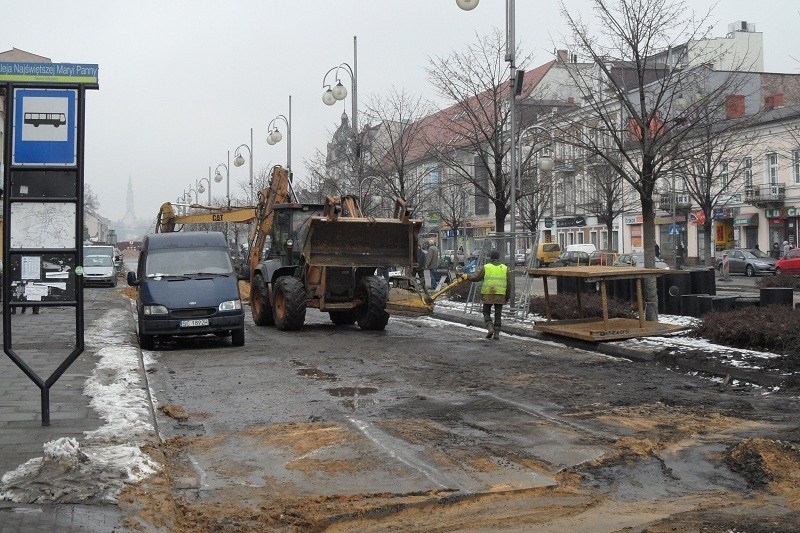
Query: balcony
<point x="683" y="202"/>
<point x="765" y="196"/>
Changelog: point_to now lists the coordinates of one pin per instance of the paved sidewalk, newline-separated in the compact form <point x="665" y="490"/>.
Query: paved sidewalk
<point x="44" y="341"/>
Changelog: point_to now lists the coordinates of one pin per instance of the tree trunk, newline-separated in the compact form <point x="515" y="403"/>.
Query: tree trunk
<point x="708" y="246"/>
<point x="649" y="241"/>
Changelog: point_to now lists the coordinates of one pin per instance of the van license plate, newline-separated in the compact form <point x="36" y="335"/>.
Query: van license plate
<point x="194" y="323"/>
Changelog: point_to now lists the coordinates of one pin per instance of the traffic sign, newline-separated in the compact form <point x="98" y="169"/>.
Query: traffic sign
<point x="674" y="229"/>
<point x="45" y="127"/>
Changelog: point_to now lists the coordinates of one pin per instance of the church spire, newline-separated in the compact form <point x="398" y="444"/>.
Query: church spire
<point x="129" y="213"/>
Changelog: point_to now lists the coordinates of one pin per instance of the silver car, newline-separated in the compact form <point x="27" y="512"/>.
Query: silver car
<point x="750" y="262"/>
<point x="99" y="270"/>
<point x="637" y="260"/>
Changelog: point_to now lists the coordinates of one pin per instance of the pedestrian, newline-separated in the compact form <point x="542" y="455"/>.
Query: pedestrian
<point x="432" y="262"/>
<point x="756" y="247"/>
<point x="775" y="251"/>
<point x="658" y="251"/>
<point x="495" y="291"/>
<point x="786" y="248"/>
<point x="419" y="268"/>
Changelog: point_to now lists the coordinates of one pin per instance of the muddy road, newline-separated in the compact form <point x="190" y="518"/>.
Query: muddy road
<point x="429" y="426"/>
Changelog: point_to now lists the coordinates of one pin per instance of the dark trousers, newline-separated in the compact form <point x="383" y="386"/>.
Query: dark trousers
<point x="487" y="313"/>
<point x="434" y="279"/>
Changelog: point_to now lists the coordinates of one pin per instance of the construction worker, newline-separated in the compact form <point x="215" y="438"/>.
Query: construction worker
<point x="495" y="291"/>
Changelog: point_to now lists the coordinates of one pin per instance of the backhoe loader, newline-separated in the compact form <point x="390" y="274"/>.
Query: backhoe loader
<point x="322" y="256"/>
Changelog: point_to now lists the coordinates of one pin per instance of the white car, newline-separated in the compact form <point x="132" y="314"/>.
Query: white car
<point x="99" y="270"/>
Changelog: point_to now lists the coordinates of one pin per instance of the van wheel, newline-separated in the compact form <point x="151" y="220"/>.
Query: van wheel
<point x="343" y="318"/>
<point x="290" y="303"/>
<point x="237" y="337"/>
<point x="373" y="293"/>
<point x="147" y="342"/>
<point x="260" y="307"/>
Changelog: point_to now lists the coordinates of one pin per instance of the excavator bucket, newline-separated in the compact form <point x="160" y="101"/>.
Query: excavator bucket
<point x="360" y="242"/>
<point x="406" y="298"/>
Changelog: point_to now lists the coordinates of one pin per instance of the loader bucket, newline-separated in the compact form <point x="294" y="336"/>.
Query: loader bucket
<point x="408" y="298"/>
<point x="360" y="242"/>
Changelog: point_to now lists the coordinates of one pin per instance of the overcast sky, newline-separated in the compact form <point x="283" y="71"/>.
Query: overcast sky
<point x="183" y="82"/>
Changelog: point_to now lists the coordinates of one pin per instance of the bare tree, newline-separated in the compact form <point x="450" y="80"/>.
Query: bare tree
<point x="394" y="141"/>
<point x="607" y="199"/>
<point x="452" y="207"/>
<point x="470" y="138"/>
<point x="91" y="204"/>
<point x="641" y="66"/>
<point x="712" y="166"/>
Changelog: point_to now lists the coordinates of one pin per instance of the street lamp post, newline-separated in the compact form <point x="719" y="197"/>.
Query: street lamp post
<point x="238" y="160"/>
<point x="196" y="195"/>
<point x="275" y="136"/>
<point x="339" y="92"/>
<point x="201" y="189"/>
<point x="468" y="5"/>
<point x="218" y="177"/>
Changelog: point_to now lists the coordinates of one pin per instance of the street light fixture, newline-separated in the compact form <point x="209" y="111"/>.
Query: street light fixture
<point x="339" y="92"/>
<point x="238" y="159"/>
<point x="468" y="5"/>
<point x="275" y="135"/>
<point x="201" y="189"/>
<point x="218" y="177"/>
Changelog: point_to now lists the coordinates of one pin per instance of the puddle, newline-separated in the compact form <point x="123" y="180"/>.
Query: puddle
<point x="341" y="392"/>
<point x="356" y="403"/>
<point x="315" y="373"/>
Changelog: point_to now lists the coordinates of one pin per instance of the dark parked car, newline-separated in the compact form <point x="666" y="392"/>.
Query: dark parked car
<point x="575" y="258"/>
<point x="790" y="264"/>
<point x="749" y="262"/>
<point x="637" y="260"/>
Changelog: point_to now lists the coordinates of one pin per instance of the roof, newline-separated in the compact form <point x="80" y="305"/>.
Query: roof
<point x="441" y="127"/>
<point x="183" y="239"/>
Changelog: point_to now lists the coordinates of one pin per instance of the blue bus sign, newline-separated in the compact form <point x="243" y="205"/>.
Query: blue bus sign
<point x="45" y="127"/>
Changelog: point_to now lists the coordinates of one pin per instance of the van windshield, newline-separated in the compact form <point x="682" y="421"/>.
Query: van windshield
<point x="188" y="261"/>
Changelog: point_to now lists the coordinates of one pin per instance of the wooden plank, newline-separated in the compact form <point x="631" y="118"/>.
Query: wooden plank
<point x="640" y="301"/>
<point x="604" y="302"/>
<point x="547" y="300"/>
<point x="595" y="330"/>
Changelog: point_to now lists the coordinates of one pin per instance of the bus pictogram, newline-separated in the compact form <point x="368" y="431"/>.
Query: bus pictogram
<point x="52" y="119"/>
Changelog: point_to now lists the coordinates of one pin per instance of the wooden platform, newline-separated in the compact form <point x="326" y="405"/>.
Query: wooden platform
<point x="605" y="328"/>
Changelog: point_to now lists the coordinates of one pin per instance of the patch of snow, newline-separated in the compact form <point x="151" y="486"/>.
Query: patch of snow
<point x="110" y="456"/>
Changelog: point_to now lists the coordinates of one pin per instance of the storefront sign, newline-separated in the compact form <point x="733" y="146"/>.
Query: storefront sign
<point x="570" y="222"/>
<point x="661" y="221"/>
<point x="638" y="219"/>
<point x="746" y="220"/>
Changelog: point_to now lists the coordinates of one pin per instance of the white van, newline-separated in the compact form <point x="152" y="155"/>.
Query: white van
<point x="588" y="248"/>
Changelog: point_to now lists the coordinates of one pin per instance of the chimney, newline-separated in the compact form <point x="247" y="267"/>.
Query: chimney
<point x="734" y="106"/>
<point x="563" y="56"/>
<point x="774" y="100"/>
<point x="571" y="100"/>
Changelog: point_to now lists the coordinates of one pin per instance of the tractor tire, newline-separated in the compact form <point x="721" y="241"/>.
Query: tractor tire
<point x="373" y="293"/>
<point x="290" y="303"/>
<point x="343" y="318"/>
<point x="260" y="307"/>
